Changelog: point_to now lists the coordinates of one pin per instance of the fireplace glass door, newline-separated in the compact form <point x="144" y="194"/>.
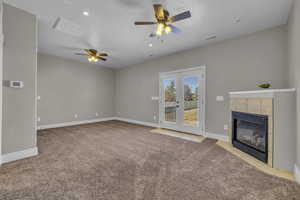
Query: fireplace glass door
<point x="250" y="134"/>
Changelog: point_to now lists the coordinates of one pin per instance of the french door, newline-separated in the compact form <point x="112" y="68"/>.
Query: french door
<point x="182" y="100"/>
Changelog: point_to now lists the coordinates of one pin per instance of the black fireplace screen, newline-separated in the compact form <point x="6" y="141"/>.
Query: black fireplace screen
<point x="250" y="134"/>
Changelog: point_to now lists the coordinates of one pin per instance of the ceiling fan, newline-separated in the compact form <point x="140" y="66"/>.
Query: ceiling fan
<point x="93" y="55"/>
<point x="164" y="21"/>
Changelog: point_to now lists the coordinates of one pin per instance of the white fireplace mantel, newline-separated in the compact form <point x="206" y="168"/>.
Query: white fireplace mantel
<point x="268" y="93"/>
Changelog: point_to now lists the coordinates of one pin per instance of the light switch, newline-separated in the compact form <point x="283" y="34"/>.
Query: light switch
<point x="220" y="98"/>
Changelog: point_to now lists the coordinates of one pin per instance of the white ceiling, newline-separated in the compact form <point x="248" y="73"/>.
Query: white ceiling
<point x="110" y="26"/>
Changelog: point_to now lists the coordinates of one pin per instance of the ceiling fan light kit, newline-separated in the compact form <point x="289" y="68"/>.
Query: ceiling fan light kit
<point x="93" y="59"/>
<point x="163" y="28"/>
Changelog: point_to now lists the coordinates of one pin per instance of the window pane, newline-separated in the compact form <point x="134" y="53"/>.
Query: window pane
<point x="191" y="109"/>
<point x="170" y="99"/>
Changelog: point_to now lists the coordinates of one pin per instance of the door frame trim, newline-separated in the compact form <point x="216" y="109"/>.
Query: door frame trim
<point x="202" y="68"/>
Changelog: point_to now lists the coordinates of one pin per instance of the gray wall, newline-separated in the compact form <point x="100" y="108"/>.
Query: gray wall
<point x="232" y="65"/>
<point x="294" y="61"/>
<point x="1" y="71"/>
<point x="19" y="63"/>
<point x="68" y="87"/>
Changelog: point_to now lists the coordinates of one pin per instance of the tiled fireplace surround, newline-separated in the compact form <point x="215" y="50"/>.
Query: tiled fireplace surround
<point x="261" y="106"/>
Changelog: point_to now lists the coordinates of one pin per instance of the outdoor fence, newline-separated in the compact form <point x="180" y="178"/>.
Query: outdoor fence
<point x="188" y="105"/>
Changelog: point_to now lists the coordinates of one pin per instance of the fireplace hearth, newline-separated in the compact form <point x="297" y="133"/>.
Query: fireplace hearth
<point x="250" y="134"/>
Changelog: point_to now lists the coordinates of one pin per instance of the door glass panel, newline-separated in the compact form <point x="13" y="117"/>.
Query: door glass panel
<point x="170" y="99"/>
<point x="191" y="109"/>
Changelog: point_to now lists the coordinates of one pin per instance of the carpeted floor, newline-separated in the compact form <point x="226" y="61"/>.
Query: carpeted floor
<point x="120" y="161"/>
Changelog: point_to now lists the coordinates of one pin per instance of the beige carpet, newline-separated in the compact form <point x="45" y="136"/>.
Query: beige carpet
<point x="120" y="161"/>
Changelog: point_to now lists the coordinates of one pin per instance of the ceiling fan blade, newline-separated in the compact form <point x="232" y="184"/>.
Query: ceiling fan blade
<point x="180" y="16"/>
<point x="175" y="29"/>
<point x="93" y="51"/>
<point x="104" y="59"/>
<point x="88" y="51"/>
<point x="159" y="11"/>
<point x="145" y="23"/>
<point x="81" y="54"/>
<point x="102" y="54"/>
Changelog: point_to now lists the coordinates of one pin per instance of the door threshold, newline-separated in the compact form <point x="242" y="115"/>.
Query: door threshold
<point x="185" y="136"/>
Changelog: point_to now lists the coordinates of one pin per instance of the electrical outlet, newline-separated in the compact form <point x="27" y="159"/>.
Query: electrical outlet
<point x="76" y="116"/>
<point x="39" y="98"/>
<point x="38" y="119"/>
<point x="225" y="127"/>
<point x="97" y="114"/>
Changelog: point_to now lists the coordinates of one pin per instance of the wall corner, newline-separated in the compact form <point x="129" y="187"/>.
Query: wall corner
<point x="297" y="173"/>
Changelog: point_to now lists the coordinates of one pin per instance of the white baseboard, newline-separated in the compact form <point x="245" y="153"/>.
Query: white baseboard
<point x="155" y="125"/>
<point x="6" y="158"/>
<point x="59" y="125"/>
<point x="297" y="173"/>
<point x="224" y="138"/>
<point x="150" y="124"/>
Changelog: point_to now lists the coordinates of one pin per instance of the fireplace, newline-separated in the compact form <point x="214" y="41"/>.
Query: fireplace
<point x="250" y="134"/>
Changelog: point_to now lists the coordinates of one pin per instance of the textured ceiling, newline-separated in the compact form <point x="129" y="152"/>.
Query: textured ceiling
<point x="110" y="25"/>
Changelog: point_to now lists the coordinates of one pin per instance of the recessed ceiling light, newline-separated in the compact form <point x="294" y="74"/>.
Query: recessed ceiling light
<point x="150" y="45"/>
<point x="86" y="13"/>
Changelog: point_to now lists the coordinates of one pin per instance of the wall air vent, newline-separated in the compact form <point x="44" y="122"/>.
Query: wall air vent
<point x="213" y="37"/>
<point x="67" y="27"/>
